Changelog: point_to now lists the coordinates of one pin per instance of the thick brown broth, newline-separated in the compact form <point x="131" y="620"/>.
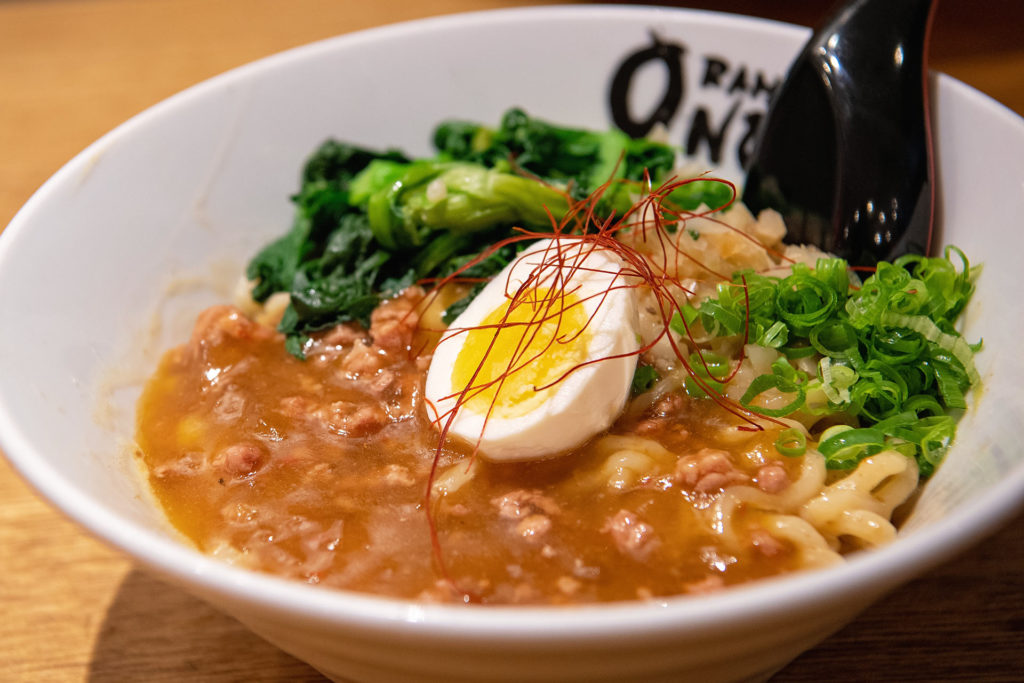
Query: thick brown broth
<point x="318" y="471"/>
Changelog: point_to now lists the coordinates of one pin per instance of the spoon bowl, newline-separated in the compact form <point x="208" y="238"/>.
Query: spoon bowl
<point x="844" y="152"/>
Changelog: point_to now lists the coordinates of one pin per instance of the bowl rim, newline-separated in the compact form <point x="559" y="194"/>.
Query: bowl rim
<point x="548" y="626"/>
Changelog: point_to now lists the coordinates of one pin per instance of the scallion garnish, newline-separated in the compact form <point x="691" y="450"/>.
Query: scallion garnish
<point x="791" y="442"/>
<point x="891" y="357"/>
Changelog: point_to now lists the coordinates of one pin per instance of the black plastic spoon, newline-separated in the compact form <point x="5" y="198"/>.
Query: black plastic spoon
<point x="845" y="150"/>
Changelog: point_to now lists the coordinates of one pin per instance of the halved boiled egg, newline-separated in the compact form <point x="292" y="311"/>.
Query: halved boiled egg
<point x="543" y="358"/>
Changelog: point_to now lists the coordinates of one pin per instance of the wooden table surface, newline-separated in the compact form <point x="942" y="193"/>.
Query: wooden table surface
<point x="71" y="609"/>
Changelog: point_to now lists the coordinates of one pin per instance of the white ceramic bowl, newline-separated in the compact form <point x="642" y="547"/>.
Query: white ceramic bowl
<point x="203" y="179"/>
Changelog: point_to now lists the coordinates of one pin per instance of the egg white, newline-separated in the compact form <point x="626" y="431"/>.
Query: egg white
<point x="584" y="403"/>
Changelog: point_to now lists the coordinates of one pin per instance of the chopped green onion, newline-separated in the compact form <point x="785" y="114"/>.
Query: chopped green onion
<point x="805" y="302"/>
<point x="836" y="380"/>
<point x="890" y="355"/>
<point x="785" y="380"/>
<point x="953" y="343"/>
<point x="791" y="442"/>
<point x="844" y="450"/>
<point x="711" y="368"/>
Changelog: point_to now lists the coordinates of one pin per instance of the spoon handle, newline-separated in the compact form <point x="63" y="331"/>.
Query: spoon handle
<point x="845" y="150"/>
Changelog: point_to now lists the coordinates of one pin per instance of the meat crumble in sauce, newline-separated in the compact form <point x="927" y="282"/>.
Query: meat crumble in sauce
<point x="317" y="470"/>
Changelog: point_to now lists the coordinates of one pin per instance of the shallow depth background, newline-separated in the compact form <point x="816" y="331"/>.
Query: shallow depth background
<point x="74" y="610"/>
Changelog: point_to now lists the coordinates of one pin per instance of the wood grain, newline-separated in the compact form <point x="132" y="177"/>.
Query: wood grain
<point x="74" y="610"/>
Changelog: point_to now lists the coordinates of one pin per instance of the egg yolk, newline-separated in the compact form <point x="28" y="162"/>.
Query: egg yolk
<point x="540" y="339"/>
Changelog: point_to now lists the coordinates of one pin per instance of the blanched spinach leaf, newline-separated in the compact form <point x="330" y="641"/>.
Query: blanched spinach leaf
<point x="369" y="224"/>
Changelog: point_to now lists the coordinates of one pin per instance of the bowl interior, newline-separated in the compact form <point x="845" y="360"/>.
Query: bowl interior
<point x="108" y="263"/>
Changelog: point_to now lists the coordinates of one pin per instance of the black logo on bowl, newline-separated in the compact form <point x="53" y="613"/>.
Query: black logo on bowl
<point x="707" y="126"/>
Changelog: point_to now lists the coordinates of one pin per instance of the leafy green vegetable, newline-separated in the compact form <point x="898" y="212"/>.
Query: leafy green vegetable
<point x="321" y="205"/>
<point x="890" y="354"/>
<point x="582" y="160"/>
<point x="644" y="377"/>
<point x="554" y="152"/>
<point x="408" y="204"/>
<point x="369" y="224"/>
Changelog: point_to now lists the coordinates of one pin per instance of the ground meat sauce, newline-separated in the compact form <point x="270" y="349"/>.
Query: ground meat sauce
<point x="317" y="470"/>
